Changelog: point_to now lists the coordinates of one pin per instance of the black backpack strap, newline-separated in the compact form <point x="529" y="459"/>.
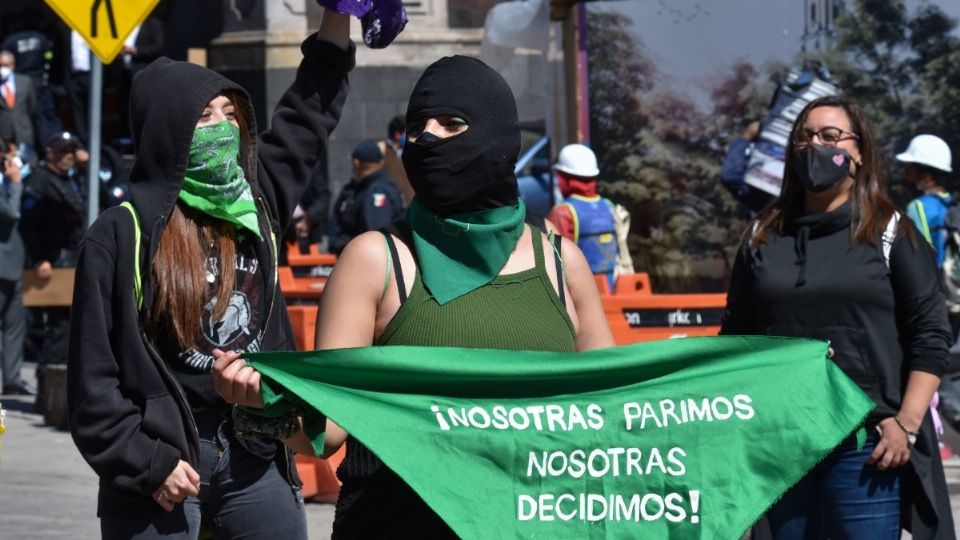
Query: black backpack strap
<point x="557" y="242"/>
<point x="388" y="233"/>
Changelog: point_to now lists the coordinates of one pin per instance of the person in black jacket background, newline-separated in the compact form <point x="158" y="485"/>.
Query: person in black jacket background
<point x="369" y="201"/>
<point x="209" y="201"/>
<point x="831" y="259"/>
<point x="54" y="210"/>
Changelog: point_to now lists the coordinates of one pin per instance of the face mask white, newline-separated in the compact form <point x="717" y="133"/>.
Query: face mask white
<point x="5" y="73"/>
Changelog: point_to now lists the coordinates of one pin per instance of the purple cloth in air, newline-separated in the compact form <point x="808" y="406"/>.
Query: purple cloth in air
<point x="383" y="23"/>
<point x="357" y="8"/>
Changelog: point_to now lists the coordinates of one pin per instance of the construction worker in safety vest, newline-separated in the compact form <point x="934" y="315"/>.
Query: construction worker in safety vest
<point x="927" y="159"/>
<point x="596" y="224"/>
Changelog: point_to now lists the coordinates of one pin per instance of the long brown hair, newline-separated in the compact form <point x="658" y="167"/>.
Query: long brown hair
<point x="189" y="239"/>
<point x="180" y="273"/>
<point x="871" y="206"/>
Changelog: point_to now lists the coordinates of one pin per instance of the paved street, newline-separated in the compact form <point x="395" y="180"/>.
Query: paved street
<point x="47" y="491"/>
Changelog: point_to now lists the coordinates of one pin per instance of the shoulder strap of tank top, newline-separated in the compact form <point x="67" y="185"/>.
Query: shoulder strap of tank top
<point x="401" y="231"/>
<point x="555" y="239"/>
<point x="557" y="242"/>
<point x="398" y="271"/>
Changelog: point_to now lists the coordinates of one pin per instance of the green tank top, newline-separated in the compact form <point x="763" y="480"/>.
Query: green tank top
<point x="519" y="311"/>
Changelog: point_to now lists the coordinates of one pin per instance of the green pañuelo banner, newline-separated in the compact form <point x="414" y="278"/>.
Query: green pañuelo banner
<point x="687" y="438"/>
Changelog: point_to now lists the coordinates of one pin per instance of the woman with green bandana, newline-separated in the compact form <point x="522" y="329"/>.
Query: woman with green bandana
<point x="185" y="271"/>
<point x="462" y="270"/>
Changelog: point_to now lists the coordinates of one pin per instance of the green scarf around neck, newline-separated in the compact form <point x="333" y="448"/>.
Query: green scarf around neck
<point x="214" y="182"/>
<point x="463" y="252"/>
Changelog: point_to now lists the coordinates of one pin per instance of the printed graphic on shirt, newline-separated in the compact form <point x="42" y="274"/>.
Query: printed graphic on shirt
<point x="379" y="200"/>
<point x="235" y="321"/>
<point x="239" y="328"/>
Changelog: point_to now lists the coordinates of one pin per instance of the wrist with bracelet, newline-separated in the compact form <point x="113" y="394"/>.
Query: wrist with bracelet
<point x="911" y="435"/>
<point x="248" y="425"/>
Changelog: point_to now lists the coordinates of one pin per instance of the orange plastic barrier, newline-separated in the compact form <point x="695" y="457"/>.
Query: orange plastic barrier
<point x="320" y="483"/>
<point x="319" y="476"/>
<point x="603" y="286"/>
<point x="303" y="319"/>
<point x="633" y="284"/>
<point x="300" y="287"/>
<point x="312" y="258"/>
<point x="636" y="314"/>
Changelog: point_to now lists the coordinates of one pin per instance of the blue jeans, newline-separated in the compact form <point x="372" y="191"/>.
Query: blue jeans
<point x="242" y="495"/>
<point x="842" y="498"/>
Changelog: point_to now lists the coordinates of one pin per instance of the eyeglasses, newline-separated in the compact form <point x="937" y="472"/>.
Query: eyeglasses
<point x="829" y="136"/>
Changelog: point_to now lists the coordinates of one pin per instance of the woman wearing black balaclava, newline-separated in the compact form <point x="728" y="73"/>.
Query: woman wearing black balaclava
<point x="464" y="271"/>
<point x="831" y="259"/>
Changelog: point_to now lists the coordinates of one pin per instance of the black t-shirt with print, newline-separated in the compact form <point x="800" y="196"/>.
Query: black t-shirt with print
<point x="240" y="329"/>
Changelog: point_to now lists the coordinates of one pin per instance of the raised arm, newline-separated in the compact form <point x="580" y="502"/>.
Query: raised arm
<point x="305" y="116"/>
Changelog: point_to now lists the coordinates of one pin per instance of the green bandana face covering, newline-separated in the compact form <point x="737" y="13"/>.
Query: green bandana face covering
<point x="214" y="182"/>
<point x="463" y="252"/>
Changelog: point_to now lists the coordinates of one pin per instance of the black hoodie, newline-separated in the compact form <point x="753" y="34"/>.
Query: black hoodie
<point x="883" y="318"/>
<point x="128" y="415"/>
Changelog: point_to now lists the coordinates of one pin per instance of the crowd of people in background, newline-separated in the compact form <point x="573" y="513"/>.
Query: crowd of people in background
<point x="828" y="258"/>
<point x="44" y="96"/>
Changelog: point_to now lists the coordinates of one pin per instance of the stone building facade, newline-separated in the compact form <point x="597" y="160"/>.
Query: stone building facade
<point x="259" y="48"/>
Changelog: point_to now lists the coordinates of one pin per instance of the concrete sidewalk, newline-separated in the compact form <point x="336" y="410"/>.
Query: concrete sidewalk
<point x="48" y="492"/>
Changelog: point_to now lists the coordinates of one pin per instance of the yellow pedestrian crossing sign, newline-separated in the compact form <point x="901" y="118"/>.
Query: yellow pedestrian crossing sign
<point x="104" y="24"/>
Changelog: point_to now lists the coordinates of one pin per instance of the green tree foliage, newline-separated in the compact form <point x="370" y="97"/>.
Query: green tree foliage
<point x="660" y="156"/>
<point x="903" y="68"/>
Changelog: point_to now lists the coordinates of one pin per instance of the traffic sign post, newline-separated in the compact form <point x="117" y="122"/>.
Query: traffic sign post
<point x="104" y="25"/>
<point x="93" y="167"/>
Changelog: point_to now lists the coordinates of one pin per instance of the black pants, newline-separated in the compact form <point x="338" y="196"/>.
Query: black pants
<point x="242" y="495"/>
<point x="56" y="338"/>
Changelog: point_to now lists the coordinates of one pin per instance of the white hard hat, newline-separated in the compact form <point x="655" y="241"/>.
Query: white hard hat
<point x="578" y="160"/>
<point x="928" y="150"/>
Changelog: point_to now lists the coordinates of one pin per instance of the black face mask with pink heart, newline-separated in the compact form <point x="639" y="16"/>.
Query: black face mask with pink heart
<point x="821" y="167"/>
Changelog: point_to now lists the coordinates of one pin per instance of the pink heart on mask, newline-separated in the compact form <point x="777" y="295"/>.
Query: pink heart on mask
<point x="838" y="160"/>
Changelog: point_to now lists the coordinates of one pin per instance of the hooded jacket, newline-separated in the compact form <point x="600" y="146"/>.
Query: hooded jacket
<point x="882" y="318"/>
<point x="128" y="414"/>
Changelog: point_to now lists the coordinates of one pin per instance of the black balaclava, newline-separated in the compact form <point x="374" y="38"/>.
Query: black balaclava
<point x="473" y="170"/>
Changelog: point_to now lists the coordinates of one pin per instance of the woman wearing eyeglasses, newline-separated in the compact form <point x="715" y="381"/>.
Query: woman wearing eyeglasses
<point x="832" y="259"/>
